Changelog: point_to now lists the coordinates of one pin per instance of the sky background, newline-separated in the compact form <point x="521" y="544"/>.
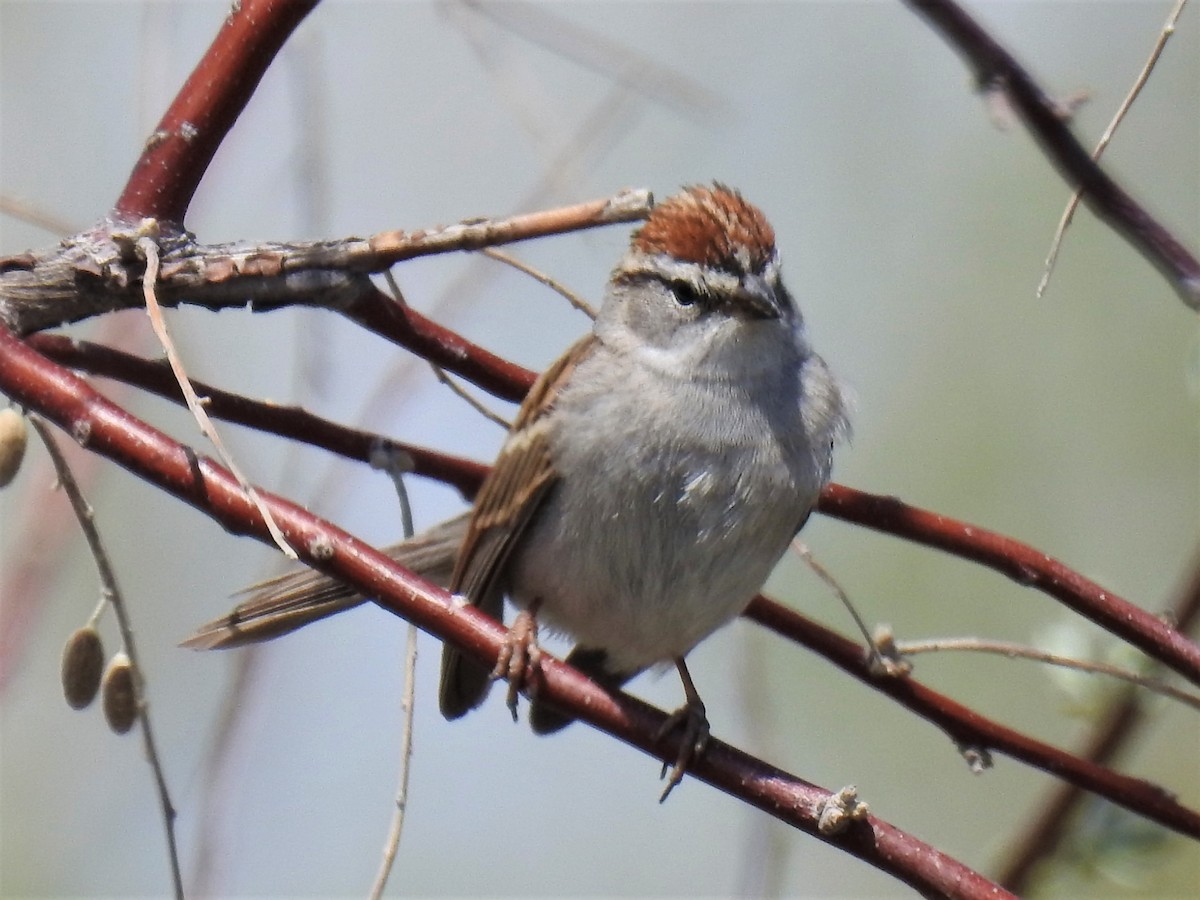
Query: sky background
<point x="912" y="231"/>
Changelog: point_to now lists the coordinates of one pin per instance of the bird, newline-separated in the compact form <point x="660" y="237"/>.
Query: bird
<point x="654" y="475"/>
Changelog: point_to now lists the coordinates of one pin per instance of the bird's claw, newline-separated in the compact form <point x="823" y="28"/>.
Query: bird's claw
<point x="520" y="657"/>
<point x="691" y="717"/>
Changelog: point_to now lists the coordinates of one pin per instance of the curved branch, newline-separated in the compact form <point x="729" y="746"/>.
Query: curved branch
<point x="1023" y="564"/>
<point x="996" y="69"/>
<point x="970" y="730"/>
<point x="108" y="430"/>
<point x="287" y="421"/>
<point x="179" y="151"/>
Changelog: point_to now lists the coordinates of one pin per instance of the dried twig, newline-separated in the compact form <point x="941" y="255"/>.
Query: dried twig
<point x="148" y="247"/>
<point x="455" y="388"/>
<point x="1167" y="30"/>
<point x="614" y="59"/>
<point x="1020" y="651"/>
<point x="538" y="275"/>
<point x="463" y="394"/>
<point x="34" y="215"/>
<point x="111" y="593"/>
<point x="396" y="467"/>
<point x="878" y="660"/>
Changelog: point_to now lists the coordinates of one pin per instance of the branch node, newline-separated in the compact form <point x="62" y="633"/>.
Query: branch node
<point x="841" y="809"/>
<point x="978" y="757"/>
<point x="884" y="658"/>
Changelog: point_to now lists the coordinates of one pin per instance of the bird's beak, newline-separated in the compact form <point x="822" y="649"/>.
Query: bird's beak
<point x="756" y="299"/>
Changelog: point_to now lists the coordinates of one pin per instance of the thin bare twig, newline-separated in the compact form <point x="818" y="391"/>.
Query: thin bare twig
<point x="407" y="704"/>
<point x="1020" y="651"/>
<point x="111" y="593"/>
<point x="440" y="373"/>
<point x="465" y="395"/>
<point x="1069" y="213"/>
<point x="538" y="275"/>
<point x="996" y="69"/>
<point x="34" y="215"/>
<point x="406" y="746"/>
<point x="613" y="59"/>
<point x="878" y="660"/>
<point x="194" y="404"/>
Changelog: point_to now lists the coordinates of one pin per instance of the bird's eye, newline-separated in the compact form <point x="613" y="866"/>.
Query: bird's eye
<point x="685" y="294"/>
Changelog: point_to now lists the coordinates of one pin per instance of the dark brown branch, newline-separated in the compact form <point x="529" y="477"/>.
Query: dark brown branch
<point x="287" y="421"/>
<point x="1109" y="738"/>
<point x="970" y="730"/>
<point x="996" y="69"/>
<point x="1023" y="564"/>
<point x="104" y="428"/>
<point x="178" y="153"/>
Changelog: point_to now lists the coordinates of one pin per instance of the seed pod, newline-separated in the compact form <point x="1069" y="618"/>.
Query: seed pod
<point x="120" y="698"/>
<point x="13" y="437"/>
<point x="82" y="666"/>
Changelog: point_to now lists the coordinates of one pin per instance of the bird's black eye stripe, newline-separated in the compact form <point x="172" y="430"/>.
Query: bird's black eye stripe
<point x="685" y="293"/>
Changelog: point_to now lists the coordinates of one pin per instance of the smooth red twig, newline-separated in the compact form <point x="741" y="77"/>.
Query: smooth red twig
<point x="178" y="152"/>
<point x="104" y="428"/>
<point x="1025" y="565"/>
<point x="287" y="421"/>
<point x="996" y="69"/>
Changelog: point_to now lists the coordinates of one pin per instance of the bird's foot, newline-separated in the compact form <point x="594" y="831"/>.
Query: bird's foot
<point x="520" y="658"/>
<point x="692" y="719"/>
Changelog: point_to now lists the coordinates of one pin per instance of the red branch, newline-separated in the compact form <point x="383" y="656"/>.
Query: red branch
<point x="286" y="421"/>
<point x="996" y="69"/>
<point x="969" y="729"/>
<point x="178" y="153"/>
<point x="104" y="428"/>
<point x="963" y="725"/>
<point x="1023" y="564"/>
<point x="406" y="327"/>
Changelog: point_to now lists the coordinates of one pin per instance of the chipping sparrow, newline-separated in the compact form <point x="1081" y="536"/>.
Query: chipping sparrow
<point x="653" y="477"/>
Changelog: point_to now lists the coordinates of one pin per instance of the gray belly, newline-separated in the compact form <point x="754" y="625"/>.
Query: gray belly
<point x="667" y="553"/>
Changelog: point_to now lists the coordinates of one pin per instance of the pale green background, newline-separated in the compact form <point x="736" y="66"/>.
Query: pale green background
<point x="913" y="233"/>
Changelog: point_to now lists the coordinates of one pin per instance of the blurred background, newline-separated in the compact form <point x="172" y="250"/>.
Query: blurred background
<point x="913" y="232"/>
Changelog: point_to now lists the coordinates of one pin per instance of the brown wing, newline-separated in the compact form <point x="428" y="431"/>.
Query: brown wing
<point x="282" y="604"/>
<point x="506" y="504"/>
